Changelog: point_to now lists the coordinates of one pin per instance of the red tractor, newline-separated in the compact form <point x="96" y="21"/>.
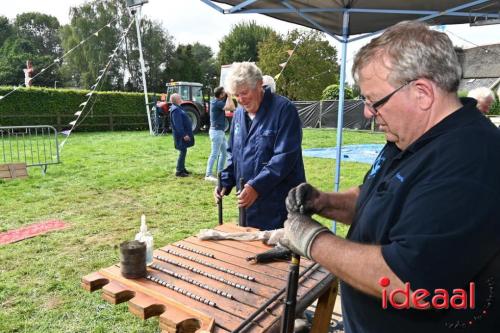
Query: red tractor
<point x="195" y="102"/>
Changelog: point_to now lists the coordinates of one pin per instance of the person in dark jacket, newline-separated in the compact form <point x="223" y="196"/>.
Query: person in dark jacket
<point x="182" y="132"/>
<point x="265" y="148"/>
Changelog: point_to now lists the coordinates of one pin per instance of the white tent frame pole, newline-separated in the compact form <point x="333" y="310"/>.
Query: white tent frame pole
<point x="345" y="39"/>
<point x="340" y="113"/>
<point x="143" y="67"/>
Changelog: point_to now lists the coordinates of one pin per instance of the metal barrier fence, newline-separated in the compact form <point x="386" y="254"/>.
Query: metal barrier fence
<point x="33" y="145"/>
<point x="319" y="114"/>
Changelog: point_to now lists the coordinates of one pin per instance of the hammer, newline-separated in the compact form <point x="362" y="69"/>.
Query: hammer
<point x="243" y="213"/>
<point x="288" y="318"/>
<point x="219" y="202"/>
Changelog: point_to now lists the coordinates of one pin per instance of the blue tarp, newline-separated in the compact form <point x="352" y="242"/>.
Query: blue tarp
<point x="365" y="153"/>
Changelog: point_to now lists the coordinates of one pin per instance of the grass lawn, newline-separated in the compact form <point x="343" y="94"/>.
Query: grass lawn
<point x="106" y="181"/>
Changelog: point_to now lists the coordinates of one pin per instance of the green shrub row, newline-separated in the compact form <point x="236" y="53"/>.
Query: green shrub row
<point x="57" y="107"/>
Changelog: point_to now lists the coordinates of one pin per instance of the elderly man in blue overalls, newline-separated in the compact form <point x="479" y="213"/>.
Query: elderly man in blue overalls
<point x="265" y="147"/>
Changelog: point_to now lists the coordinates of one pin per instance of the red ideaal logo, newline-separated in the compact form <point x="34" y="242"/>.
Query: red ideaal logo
<point x="439" y="300"/>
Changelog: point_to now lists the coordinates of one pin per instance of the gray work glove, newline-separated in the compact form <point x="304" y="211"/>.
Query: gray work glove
<point x="300" y="233"/>
<point x="301" y="199"/>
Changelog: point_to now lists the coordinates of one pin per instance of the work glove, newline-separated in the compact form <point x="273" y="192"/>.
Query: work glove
<point x="301" y="199"/>
<point x="300" y="233"/>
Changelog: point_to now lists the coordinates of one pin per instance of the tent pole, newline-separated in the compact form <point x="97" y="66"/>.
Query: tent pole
<point x="340" y="116"/>
<point x="143" y="67"/>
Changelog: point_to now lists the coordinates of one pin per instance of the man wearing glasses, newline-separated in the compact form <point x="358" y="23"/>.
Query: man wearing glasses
<point x="426" y="216"/>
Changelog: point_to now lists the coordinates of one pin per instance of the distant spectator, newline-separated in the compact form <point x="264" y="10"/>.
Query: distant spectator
<point x="28" y="74"/>
<point x="220" y="104"/>
<point x="268" y="81"/>
<point x="484" y="97"/>
<point x="161" y="108"/>
<point x="182" y="133"/>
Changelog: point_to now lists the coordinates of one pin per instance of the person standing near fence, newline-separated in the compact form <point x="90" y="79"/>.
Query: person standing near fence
<point x="484" y="97"/>
<point x="182" y="132"/>
<point x="220" y="104"/>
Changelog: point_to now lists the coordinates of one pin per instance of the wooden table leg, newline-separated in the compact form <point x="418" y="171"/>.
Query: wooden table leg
<point x="324" y="309"/>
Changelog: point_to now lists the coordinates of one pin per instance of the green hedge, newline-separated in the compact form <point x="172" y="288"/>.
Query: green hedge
<point x="56" y="107"/>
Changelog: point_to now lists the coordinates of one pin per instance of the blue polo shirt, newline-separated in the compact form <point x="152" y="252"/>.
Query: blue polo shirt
<point x="434" y="209"/>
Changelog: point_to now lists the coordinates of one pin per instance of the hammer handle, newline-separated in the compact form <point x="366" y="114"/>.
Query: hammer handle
<point x="219" y="202"/>
<point x="243" y="213"/>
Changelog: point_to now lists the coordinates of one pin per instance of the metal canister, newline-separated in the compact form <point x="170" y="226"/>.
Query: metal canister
<point x="133" y="259"/>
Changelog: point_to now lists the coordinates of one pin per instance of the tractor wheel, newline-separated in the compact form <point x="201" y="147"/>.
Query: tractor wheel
<point x="194" y="116"/>
<point x="227" y="124"/>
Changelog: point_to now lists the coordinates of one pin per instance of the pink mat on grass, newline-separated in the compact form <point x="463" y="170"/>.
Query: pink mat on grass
<point x="29" y="231"/>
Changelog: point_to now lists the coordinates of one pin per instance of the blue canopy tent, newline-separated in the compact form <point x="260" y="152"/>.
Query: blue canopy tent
<point x="343" y="18"/>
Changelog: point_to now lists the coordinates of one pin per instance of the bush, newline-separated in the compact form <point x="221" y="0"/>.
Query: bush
<point x="332" y="92"/>
<point x="57" y="107"/>
<point x="495" y="108"/>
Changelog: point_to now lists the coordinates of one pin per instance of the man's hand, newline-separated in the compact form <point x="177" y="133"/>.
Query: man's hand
<point x="303" y="199"/>
<point x="186" y="138"/>
<point x="219" y="194"/>
<point x="247" y="196"/>
<point x="300" y="233"/>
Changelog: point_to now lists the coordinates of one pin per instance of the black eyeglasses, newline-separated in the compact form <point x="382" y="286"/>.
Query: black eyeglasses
<point x="373" y="106"/>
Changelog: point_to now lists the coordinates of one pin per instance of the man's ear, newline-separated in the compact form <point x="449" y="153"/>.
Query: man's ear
<point x="425" y="90"/>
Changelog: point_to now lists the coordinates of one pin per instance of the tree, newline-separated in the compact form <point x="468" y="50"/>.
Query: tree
<point x="41" y="30"/>
<point x="13" y="56"/>
<point x="192" y="62"/>
<point x="311" y="67"/>
<point x="332" y="92"/>
<point x="204" y="56"/>
<point x="158" y="50"/>
<point x="33" y="36"/>
<point x="82" y="67"/>
<point x="241" y="44"/>
<point x="6" y="29"/>
<point x="183" y="65"/>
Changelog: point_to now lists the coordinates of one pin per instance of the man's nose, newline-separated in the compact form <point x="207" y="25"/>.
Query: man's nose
<point x="367" y="112"/>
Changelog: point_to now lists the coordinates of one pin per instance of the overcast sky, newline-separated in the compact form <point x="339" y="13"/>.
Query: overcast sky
<point x="190" y="21"/>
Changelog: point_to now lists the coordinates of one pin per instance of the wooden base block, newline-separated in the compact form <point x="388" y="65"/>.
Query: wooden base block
<point x="13" y="170"/>
<point x="94" y="281"/>
<point x="176" y="321"/>
<point x="116" y="293"/>
<point x="145" y="307"/>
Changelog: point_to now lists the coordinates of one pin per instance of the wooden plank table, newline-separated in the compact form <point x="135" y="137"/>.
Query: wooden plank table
<point x="209" y="286"/>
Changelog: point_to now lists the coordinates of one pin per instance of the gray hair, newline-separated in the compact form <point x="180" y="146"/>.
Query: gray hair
<point x="481" y="93"/>
<point x="175" y="98"/>
<point x="242" y="74"/>
<point x="268" y="80"/>
<point x="413" y="51"/>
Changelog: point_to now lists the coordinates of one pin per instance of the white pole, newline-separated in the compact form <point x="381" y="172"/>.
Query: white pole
<point x="143" y="67"/>
<point x="340" y="116"/>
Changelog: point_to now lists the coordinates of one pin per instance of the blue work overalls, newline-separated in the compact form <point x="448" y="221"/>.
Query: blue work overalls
<point x="268" y="156"/>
